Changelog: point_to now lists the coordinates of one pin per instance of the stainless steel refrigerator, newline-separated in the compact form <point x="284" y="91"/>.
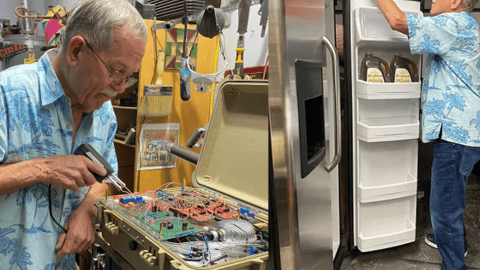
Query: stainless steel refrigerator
<point x="304" y="103"/>
<point x="381" y="130"/>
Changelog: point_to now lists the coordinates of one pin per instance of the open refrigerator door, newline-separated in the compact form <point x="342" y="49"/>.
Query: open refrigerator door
<point x="385" y="117"/>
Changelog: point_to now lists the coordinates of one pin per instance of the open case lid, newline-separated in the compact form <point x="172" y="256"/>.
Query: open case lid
<point x="234" y="156"/>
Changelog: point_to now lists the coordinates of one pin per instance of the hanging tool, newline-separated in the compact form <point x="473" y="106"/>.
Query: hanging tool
<point x="263" y="12"/>
<point x="210" y="22"/>
<point x="88" y="151"/>
<point x="243" y="13"/>
<point x="184" y="72"/>
<point x="203" y="81"/>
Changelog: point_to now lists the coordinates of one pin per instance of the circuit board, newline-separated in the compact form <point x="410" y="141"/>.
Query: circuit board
<point x="197" y="206"/>
<point x="167" y="227"/>
<point x="175" y="213"/>
<point x="194" y="223"/>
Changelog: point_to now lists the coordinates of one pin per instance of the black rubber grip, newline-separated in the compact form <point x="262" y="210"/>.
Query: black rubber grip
<point x="184" y="154"/>
<point x="88" y="151"/>
<point x="195" y="137"/>
<point x="184" y="92"/>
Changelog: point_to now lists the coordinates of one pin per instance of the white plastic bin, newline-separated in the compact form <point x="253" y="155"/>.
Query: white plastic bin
<point x="386" y="224"/>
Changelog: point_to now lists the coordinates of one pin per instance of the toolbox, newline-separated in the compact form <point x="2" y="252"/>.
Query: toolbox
<point x="229" y="230"/>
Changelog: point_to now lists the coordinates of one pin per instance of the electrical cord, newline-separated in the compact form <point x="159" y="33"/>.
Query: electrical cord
<point x="85" y="259"/>
<point x="50" y="207"/>
<point x="55" y="221"/>
<point x="185" y="31"/>
<point x="53" y="218"/>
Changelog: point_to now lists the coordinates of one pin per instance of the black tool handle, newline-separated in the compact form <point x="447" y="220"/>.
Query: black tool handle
<point x="88" y="151"/>
<point x="184" y="79"/>
<point x="184" y="90"/>
<point x="195" y="137"/>
<point x="183" y="153"/>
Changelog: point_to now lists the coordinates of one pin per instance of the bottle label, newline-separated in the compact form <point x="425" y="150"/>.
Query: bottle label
<point x="374" y="75"/>
<point x="402" y="76"/>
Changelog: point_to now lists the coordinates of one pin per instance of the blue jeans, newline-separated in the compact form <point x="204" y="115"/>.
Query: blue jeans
<point x="452" y="164"/>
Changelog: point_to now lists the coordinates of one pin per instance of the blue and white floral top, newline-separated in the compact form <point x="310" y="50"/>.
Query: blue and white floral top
<point x="451" y="88"/>
<point x="36" y="122"/>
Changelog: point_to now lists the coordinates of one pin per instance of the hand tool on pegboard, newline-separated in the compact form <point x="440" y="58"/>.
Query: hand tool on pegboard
<point x="243" y="13"/>
<point x="184" y="72"/>
<point x="263" y="12"/>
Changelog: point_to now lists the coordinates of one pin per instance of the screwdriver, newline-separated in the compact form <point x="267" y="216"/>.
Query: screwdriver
<point x="88" y="151"/>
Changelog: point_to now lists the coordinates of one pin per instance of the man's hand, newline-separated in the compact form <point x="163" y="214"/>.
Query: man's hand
<point x="71" y="172"/>
<point x="80" y="233"/>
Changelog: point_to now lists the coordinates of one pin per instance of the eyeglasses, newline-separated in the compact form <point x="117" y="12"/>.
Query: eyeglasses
<point x="116" y="77"/>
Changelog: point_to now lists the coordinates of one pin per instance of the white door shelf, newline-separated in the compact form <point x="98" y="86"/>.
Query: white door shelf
<point x="386" y="224"/>
<point x="387" y="192"/>
<point x="367" y="90"/>
<point x="388" y="129"/>
<point x="366" y="244"/>
<point x="387" y="163"/>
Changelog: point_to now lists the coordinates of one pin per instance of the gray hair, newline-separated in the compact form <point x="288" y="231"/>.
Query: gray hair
<point x="95" y="20"/>
<point x="470" y="4"/>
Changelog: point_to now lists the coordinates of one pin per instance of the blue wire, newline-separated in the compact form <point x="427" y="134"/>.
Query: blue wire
<point x="184" y="234"/>
<point x="173" y="183"/>
<point x="145" y="215"/>
<point x="205" y="238"/>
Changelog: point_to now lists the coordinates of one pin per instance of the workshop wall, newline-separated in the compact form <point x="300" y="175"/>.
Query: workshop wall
<point x="191" y="114"/>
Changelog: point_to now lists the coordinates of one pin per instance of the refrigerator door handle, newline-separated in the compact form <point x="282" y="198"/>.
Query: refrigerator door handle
<point x="336" y="93"/>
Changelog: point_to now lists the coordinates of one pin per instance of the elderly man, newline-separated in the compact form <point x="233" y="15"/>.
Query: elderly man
<point x="450" y="111"/>
<point x="47" y="110"/>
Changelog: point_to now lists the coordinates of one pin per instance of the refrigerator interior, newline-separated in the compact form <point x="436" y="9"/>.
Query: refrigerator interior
<point x="385" y="134"/>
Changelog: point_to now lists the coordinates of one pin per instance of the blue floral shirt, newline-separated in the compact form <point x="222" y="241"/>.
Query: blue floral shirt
<point x="451" y="88"/>
<point x="36" y="122"/>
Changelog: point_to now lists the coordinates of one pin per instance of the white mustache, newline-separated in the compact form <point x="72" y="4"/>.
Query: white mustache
<point x="109" y="92"/>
